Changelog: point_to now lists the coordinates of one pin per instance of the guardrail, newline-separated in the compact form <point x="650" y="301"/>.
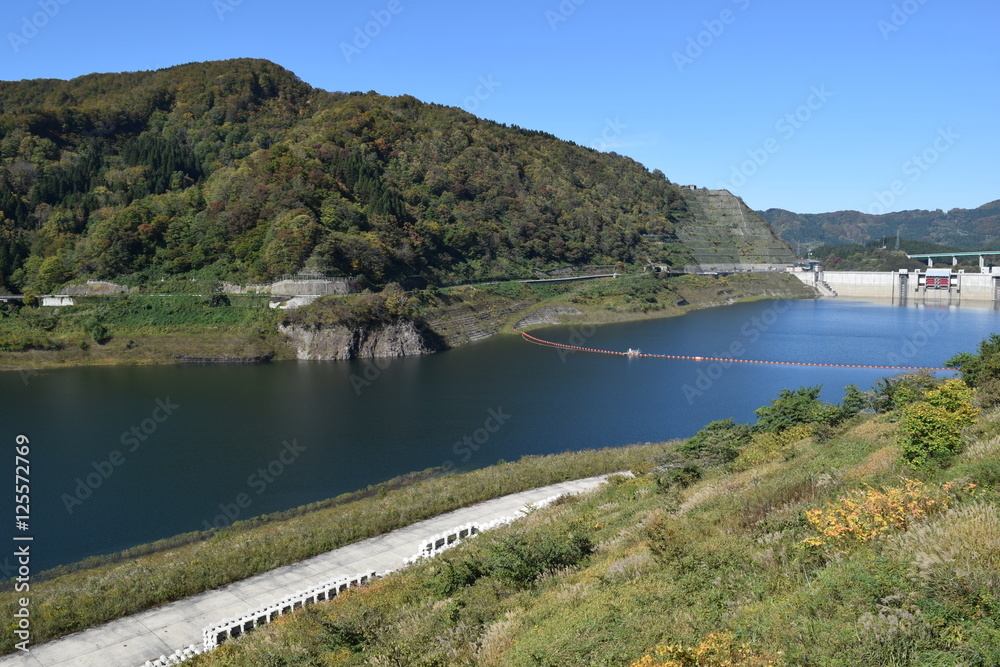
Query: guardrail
<point x="232" y="628"/>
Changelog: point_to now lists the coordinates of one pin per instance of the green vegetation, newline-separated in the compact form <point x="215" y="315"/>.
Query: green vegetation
<point x="238" y="170"/>
<point x="640" y="293"/>
<point x="140" y="329"/>
<point x="879" y="255"/>
<point x="973" y="229"/>
<point x="808" y="538"/>
<point x="932" y="427"/>
<point x="981" y="370"/>
<point x="197" y="320"/>
<point x="390" y="305"/>
<point x="102" y="589"/>
<point x="172" y="181"/>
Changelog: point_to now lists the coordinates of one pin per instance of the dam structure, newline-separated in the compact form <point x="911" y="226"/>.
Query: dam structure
<point x="942" y="286"/>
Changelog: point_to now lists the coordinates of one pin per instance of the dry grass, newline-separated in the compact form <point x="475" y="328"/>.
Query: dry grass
<point x="878" y="464"/>
<point x="962" y="543"/>
<point x="982" y="450"/>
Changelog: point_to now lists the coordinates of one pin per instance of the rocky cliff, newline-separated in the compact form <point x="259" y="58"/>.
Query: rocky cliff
<point x="396" y="339"/>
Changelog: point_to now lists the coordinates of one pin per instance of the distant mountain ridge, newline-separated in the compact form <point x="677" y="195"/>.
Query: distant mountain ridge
<point x="973" y="229"/>
<point x="237" y="170"/>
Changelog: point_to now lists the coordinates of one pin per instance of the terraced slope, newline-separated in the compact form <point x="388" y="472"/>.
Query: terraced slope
<point x="723" y="233"/>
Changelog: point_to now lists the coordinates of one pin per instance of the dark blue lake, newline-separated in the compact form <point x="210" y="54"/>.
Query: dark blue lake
<point x="170" y="449"/>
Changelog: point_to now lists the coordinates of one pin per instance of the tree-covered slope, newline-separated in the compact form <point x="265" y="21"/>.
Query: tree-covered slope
<point x="973" y="229"/>
<point x="238" y="170"/>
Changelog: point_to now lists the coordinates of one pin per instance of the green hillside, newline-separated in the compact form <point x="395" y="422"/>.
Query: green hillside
<point x="881" y="255"/>
<point x="238" y="170"/>
<point x="971" y="229"/>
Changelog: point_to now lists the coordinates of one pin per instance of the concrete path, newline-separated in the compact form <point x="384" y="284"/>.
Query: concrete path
<point x="130" y="642"/>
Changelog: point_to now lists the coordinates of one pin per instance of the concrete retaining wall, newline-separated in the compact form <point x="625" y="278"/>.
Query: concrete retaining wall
<point x="888" y="285"/>
<point x="881" y="285"/>
<point x="976" y="286"/>
<point x="320" y="287"/>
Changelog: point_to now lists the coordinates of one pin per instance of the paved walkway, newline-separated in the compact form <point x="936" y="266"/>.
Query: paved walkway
<point x="131" y="641"/>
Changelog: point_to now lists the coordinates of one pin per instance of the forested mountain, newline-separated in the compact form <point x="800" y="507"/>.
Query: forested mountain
<point x="882" y="255"/>
<point x="238" y="170"/>
<point x="972" y="229"/>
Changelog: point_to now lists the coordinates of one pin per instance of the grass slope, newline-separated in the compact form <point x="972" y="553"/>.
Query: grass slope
<point x="819" y="547"/>
<point x="71" y="599"/>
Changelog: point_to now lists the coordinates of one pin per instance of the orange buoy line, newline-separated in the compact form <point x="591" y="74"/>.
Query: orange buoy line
<point x="547" y="343"/>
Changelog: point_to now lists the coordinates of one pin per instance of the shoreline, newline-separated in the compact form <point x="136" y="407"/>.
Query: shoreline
<point x="161" y="348"/>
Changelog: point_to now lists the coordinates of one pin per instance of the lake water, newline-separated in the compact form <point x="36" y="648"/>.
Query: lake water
<point x="122" y="456"/>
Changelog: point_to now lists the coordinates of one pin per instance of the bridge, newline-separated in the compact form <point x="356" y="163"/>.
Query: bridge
<point x="982" y="254"/>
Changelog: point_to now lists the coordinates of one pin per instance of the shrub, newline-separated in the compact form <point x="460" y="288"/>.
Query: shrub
<point x="981" y="371"/>
<point x="94" y="328"/>
<point x="510" y="289"/>
<point x="452" y="576"/>
<point x="864" y="514"/>
<point x="518" y="559"/>
<point x="355" y="311"/>
<point x="769" y="446"/>
<point x="855" y="402"/>
<point x="678" y="477"/>
<point x="719" y="442"/>
<point x="715" y="649"/>
<point x="896" y="392"/>
<point x="791" y="408"/>
<point x="19" y="341"/>
<point x="932" y="429"/>
<point x="667" y="538"/>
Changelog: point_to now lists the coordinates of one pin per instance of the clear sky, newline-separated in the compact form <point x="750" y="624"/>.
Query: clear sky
<point x="875" y="105"/>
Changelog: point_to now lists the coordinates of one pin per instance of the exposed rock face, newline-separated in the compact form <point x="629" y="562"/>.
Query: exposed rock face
<point x="398" y="339"/>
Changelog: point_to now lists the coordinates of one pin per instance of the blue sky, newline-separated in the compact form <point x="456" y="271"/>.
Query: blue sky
<point x="875" y="105"/>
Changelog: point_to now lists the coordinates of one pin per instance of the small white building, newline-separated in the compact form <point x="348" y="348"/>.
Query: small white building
<point x="56" y="300"/>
